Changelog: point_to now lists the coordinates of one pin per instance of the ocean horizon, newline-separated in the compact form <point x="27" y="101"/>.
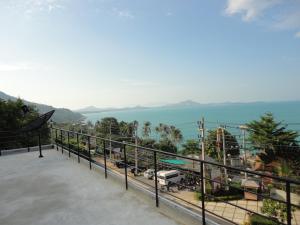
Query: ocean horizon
<point x="185" y="118"/>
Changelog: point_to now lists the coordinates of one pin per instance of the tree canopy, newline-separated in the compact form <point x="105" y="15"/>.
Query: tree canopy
<point x="12" y="118"/>
<point x="214" y="147"/>
<point x="273" y="139"/>
<point x="190" y="147"/>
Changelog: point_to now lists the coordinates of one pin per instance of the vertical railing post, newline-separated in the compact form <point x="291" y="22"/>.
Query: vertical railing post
<point x="61" y="140"/>
<point x="77" y="138"/>
<point x="155" y="178"/>
<point x="125" y="161"/>
<point x="89" y="148"/>
<point x="40" y="146"/>
<point x="104" y="155"/>
<point x="56" y="140"/>
<point x="69" y="144"/>
<point x="28" y="147"/>
<point x="202" y="192"/>
<point x="288" y="203"/>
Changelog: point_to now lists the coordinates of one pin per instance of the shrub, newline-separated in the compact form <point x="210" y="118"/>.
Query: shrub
<point x="259" y="220"/>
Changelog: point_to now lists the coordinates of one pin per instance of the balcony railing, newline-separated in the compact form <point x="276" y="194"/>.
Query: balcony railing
<point x="149" y="158"/>
<point x="103" y="152"/>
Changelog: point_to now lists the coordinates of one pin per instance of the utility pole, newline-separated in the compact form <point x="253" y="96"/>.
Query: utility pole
<point x="202" y="148"/>
<point x="110" y="147"/>
<point x="244" y="128"/>
<point x="224" y="157"/>
<point x="136" y="146"/>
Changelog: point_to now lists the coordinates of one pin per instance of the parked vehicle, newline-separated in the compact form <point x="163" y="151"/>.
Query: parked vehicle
<point x="119" y="163"/>
<point x="149" y="174"/>
<point x="167" y="178"/>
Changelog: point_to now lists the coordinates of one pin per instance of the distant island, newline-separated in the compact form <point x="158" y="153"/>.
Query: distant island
<point x="183" y="104"/>
<point x="61" y="115"/>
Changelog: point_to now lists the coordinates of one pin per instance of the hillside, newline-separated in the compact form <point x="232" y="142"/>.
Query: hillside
<point x="61" y="114"/>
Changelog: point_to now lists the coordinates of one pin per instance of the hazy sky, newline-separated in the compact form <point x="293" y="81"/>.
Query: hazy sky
<point x="75" y="53"/>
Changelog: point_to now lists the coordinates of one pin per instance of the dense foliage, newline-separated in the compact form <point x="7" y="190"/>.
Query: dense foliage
<point x="275" y="143"/>
<point x="12" y="118"/>
<point x="259" y="220"/>
<point x="214" y="147"/>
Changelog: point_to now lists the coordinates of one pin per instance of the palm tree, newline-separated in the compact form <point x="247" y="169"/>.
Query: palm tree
<point x="147" y="129"/>
<point x="175" y="135"/>
<point x="159" y="130"/>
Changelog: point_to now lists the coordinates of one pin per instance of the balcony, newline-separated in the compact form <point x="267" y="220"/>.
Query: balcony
<point x="70" y="185"/>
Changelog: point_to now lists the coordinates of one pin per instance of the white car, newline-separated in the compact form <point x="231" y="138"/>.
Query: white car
<point x="170" y="177"/>
<point x="149" y="173"/>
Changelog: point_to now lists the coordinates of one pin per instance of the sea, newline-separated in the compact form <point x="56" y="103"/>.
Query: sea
<point x="230" y="115"/>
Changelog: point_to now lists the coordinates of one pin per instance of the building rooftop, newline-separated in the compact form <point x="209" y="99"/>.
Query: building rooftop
<point x="55" y="190"/>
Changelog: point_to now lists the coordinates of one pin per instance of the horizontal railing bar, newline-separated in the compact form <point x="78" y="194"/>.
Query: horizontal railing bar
<point x="184" y="157"/>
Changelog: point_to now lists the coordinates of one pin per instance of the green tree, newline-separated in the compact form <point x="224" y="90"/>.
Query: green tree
<point x="108" y="125"/>
<point x="273" y="139"/>
<point x="12" y="118"/>
<point x="214" y="148"/>
<point x="166" y="145"/>
<point x="190" y="147"/>
<point x="146" y="129"/>
<point x="175" y="135"/>
<point x="126" y="129"/>
<point x="163" y="130"/>
<point x="275" y="209"/>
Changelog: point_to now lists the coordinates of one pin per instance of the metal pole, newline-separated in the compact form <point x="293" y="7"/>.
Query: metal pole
<point x="155" y="175"/>
<point x="110" y="147"/>
<point x="61" y="139"/>
<point x="202" y="130"/>
<point x="224" y="158"/>
<point x="28" y="147"/>
<point x="245" y="155"/>
<point x="125" y="161"/>
<point x="56" y="139"/>
<point x="136" y="148"/>
<point x="202" y="191"/>
<point x="89" y="147"/>
<point x="40" y="146"/>
<point x="69" y="144"/>
<point x="77" y="137"/>
<point x="288" y="203"/>
<point x="104" y="155"/>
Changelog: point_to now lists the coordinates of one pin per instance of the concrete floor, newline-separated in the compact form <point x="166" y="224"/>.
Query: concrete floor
<point x="55" y="190"/>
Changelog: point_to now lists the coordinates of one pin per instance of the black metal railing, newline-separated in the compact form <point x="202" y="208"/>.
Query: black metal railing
<point x="100" y="155"/>
<point x="96" y="150"/>
<point x="21" y="140"/>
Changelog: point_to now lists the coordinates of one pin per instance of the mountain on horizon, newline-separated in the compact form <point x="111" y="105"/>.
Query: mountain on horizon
<point x="61" y="115"/>
<point x="182" y="104"/>
<point x="187" y="103"/>
<point x="94" y="109"/>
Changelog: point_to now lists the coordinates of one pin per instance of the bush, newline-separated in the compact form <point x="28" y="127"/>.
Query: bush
<point x="259" y="220"/>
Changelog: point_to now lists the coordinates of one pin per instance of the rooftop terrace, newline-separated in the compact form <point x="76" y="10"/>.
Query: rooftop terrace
<point x="55" y="190"/>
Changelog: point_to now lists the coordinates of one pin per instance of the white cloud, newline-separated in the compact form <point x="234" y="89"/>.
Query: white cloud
<point x="287" y="17"/>
<point x="288" y="21"/>
<point x="250" y="9"/>
<point x="33" y="6"/>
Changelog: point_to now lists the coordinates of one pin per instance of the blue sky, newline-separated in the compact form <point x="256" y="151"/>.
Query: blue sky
<point x="75" y="53"/>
